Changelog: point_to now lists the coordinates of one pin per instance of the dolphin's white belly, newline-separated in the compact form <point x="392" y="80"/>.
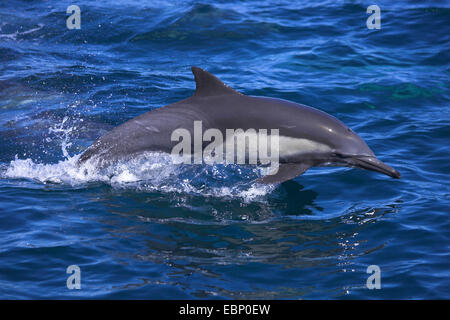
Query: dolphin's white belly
<point x="269" y="150"/>
<point x="289" y="146"/>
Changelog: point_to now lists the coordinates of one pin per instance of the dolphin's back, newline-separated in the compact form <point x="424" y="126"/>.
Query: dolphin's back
<point x="150" y="131"/>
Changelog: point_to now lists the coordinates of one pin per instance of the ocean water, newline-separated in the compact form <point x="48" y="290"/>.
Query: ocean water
<point x="143" y="229"/>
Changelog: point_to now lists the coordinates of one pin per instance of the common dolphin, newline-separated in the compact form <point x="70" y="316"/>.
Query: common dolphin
<point x="307" y="137"/>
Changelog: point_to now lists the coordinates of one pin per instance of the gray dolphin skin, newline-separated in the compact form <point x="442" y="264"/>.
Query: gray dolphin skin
<point x="308" y="137"/>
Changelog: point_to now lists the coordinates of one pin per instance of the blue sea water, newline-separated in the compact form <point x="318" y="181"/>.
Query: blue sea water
<point x="148" y="230"/>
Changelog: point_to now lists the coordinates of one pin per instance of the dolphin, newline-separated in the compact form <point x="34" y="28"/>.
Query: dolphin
<point x="308" y="137"/>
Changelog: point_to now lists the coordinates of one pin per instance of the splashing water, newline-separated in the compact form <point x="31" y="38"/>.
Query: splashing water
<point x="149" y="171"/>
<point x="66" y="135"/>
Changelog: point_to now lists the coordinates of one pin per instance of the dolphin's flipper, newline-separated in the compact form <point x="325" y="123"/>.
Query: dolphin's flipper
<point x="286" y="171"/>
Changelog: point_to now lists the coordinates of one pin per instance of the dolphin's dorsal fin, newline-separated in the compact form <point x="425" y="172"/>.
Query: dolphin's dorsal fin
<point x="208" y="85"/>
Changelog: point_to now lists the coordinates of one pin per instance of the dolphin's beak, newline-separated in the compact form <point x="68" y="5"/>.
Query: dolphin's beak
<point x="373" y="164"/>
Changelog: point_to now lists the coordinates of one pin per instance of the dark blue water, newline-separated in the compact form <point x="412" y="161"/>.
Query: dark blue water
<point x="148" y="230"/>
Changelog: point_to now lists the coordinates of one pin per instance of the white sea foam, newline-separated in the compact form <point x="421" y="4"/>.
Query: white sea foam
<point x="150" y="171"/>
<point x="13" y="36"/>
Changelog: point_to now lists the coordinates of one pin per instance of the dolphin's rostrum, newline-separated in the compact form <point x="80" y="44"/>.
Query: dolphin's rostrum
<point x="307" y="137"/>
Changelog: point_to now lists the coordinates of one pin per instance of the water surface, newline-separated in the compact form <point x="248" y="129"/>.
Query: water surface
<point x="145" y="229"/>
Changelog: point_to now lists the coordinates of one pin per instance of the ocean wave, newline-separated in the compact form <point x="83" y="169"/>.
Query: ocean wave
<point x="150" y="171"/>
